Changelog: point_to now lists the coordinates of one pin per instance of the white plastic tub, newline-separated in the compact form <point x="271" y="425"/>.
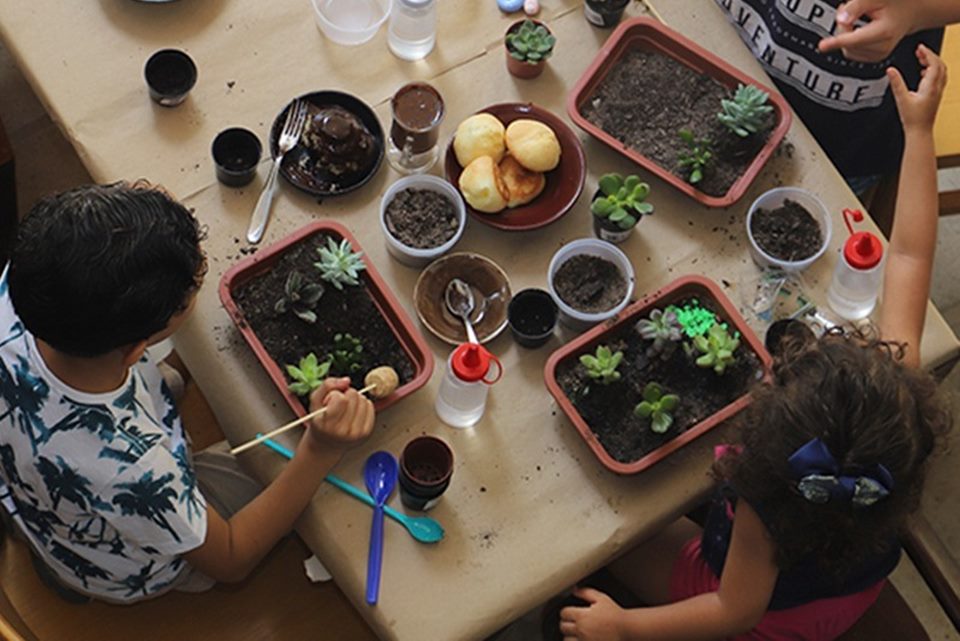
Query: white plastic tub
<point x="573" y="318"/>
<point x="350" y="22"/>
<point x="774" y="199"/>
<point x="410" y="255"/>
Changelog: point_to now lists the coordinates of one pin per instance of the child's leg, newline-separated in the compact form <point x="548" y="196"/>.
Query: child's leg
<point x="648" y="568"/>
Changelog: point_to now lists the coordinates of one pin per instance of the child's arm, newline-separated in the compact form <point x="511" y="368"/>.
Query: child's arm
<point x="737" y="606"/>
<point x="233" y="548"/>
<point x="913" y="238"/>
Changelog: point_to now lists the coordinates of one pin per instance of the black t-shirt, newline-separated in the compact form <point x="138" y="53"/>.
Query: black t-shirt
<point x="845" y="104"/>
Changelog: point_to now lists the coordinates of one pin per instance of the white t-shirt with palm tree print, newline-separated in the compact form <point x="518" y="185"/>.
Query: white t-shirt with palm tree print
<point x="101" y="484"/>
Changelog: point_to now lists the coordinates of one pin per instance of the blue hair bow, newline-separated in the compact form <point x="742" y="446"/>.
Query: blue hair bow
<point x="819" y="479"/>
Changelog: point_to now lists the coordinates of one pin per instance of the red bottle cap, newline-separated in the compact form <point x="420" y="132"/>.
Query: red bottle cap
<point x="471" y="362"/>
<point x="863" y="250"/>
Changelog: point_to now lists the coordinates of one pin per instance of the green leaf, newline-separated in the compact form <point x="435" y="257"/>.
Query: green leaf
<point x="669" y="402"/>
<point x="294" y="372"/>
<point x="618" y="214"/>
<point x="707" y="360"/>
<point x="652" y="392"/>
<point x="604" y="353"/>
<point x="589" y="361"/>
<point x="661" y="422"/>
<point x="615" y="359"/>
<point x="643" y="208"/>
<point x="602" y="207"/>
<point x="300" y="389"/>
<point x="306" y="315"/>
<point x="686" y="136"/>
<point x="534" y="56"/>
<point x="695" y="176"/>
<point x="628" y="222"/>
<point x="610" y="183"/>
<point x="643" y="409"/>
<point x="631" y="183"/>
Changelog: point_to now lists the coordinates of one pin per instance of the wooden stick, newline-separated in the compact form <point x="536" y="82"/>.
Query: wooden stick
<point x="652" y="9"/>
<point x="289" y="426"/>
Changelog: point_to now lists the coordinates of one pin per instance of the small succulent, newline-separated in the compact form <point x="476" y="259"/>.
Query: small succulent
<point x="339" y="265"/>
<point x="657" y="406"/>
<point x="530" y="42"/>
<point x="602" y="365"/>
<point x="622" y="202"/>
<point x="697" y="157"/>
<point x="663" y="328"/>
<point x="300" y="297"/>
<point x="347" y="356"/>
<point x="748" y="112"/>
<point x="717" y="348"/>
<point x="308" y="375"/>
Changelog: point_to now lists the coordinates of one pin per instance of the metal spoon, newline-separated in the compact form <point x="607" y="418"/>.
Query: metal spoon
<point x="459" y="299"/>
<point x="380" y="475"/>
<point x="422" y="528"/>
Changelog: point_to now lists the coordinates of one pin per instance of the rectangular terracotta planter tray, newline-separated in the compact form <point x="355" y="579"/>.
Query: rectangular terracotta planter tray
<point x="403" y="329"/>
<point x="646" y="34"/>
<point x="685" y="287"/>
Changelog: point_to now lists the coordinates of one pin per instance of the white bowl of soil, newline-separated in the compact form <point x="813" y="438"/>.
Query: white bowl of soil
<point x="591" y="280"/>
<point x="789" y="228"/>
<point x="422" y="217"/>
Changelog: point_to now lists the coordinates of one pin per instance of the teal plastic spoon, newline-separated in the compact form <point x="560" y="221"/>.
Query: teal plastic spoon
<point x="423" y="528"/>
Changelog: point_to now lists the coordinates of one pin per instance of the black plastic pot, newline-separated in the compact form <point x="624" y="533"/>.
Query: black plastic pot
<point x="532" y="316"/>
<point x="610" y="232"/>
<point x="787" y="329"/>
<point x="604" y="13"/>
<point x="170" y="75"/>
<point x="426" y="466"/>
<point x="236" y="154"/>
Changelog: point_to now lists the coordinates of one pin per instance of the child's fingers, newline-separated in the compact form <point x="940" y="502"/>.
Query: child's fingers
<point x="570" y="613"/>
<point x="588" y="594"/>
<point x="568" y="629"/>
<point x="897" y="85"/>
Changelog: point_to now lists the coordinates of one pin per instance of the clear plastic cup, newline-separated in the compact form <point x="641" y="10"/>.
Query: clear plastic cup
<point x="772" y="200"/>
<point x="350" y="22"/>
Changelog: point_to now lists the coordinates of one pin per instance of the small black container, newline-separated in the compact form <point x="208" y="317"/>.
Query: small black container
<point x="605" y="13"/>
<point x="236" y="153"/>
<point x="784" y="330"/>
<point x="170" y="75"/>
<point x="426" y="466"/>
<point x="610" y="232"/>
<point x="532" y="315"/>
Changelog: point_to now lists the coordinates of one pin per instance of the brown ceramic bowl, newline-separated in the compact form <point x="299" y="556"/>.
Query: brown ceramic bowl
<point x="564" y="183"/>
<point x="491" y="290"/>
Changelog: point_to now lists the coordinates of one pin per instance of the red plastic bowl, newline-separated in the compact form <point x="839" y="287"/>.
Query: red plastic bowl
<point x="679" y="289"/>
<point x="650" y="35"/>
<point x="406" y="333"/>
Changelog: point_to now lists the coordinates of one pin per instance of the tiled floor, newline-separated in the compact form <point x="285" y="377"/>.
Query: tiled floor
<point x="46" y="163"/>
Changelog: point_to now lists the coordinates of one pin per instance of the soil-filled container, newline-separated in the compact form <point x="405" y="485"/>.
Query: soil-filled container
<point x="788" y="228"/>
<point x="532" y="315"/>
<point x="366" y="314"/>
<point x="526" y="67"/>
<point x="604" y="13"/>
<point x="595" y="282"/>
<point x="422" y="217"/>
<point x="677" y="68"/>
<point x="606" y="416"/>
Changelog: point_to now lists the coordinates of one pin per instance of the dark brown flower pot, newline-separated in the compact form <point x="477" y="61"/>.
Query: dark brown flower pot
<point x="396" y="319"/>
<point x="426" y="466"/>
<point x="606" y="13"/>
<point x="680" y="289"/>
<point x="520" y="68"/>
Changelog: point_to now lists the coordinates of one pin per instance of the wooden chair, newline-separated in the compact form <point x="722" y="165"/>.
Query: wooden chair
<point x="946" y="131"/>
<point x="8" y="196"/>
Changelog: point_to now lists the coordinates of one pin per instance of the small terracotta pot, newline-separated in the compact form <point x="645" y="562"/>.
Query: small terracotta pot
<point x="520" y="68"/>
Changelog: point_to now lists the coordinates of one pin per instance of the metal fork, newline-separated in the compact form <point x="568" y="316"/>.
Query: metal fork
<point x="292" y="129"/>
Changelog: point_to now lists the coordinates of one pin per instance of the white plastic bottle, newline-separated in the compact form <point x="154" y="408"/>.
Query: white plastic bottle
<point x="462" y="398"/>
<point x="856" y="280"/>
<point x="412" y="31"/>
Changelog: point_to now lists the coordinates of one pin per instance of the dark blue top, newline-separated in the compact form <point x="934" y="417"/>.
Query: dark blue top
<point x="801" y="584"/>
<point x="845" y="104"/>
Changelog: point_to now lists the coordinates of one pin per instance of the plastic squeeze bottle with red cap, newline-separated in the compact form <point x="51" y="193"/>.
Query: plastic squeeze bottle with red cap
<point x="462" y="398"/>
<point x="859" y="272"/>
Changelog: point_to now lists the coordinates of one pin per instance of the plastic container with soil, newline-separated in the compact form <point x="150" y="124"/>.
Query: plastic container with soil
<point x="591" y="276"/>
<point x="369" y="312"/>
<point x="789" y="228"/>
<point x="706" y="398"/>
<point x="646" y="37"/>
<point x="408" y="227"/>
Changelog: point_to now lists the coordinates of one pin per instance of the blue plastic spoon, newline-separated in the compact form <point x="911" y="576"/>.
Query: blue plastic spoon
<point x="380" y="475"/>
<point x="422" y="528"/>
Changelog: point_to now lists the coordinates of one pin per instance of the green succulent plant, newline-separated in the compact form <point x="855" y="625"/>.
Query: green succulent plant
<point x="339" y="265"/>
<point x="622" y="202"/>
<point x="602" y="365"/>
<point x="347" y="355"/>
<point x="717" y="347"/>
<point x="663" y="328"/>
<point x="748" y="112"/>
<point x="697" y="157"/>
<point x="300" y="297"/>
<point x="530" y="42"/>
<point x="308" y="375"/>
<point x="657" y="406"/>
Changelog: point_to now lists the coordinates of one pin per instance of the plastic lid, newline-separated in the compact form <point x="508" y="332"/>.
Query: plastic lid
<point x="863" y="250"/>
<point x="470" y="362"/>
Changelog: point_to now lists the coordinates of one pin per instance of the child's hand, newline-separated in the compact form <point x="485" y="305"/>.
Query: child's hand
<point x="348" y="419"/>
<point x="888" y="22"/>
<point x="600" y="621"/>
<point x="918" y="109"/>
